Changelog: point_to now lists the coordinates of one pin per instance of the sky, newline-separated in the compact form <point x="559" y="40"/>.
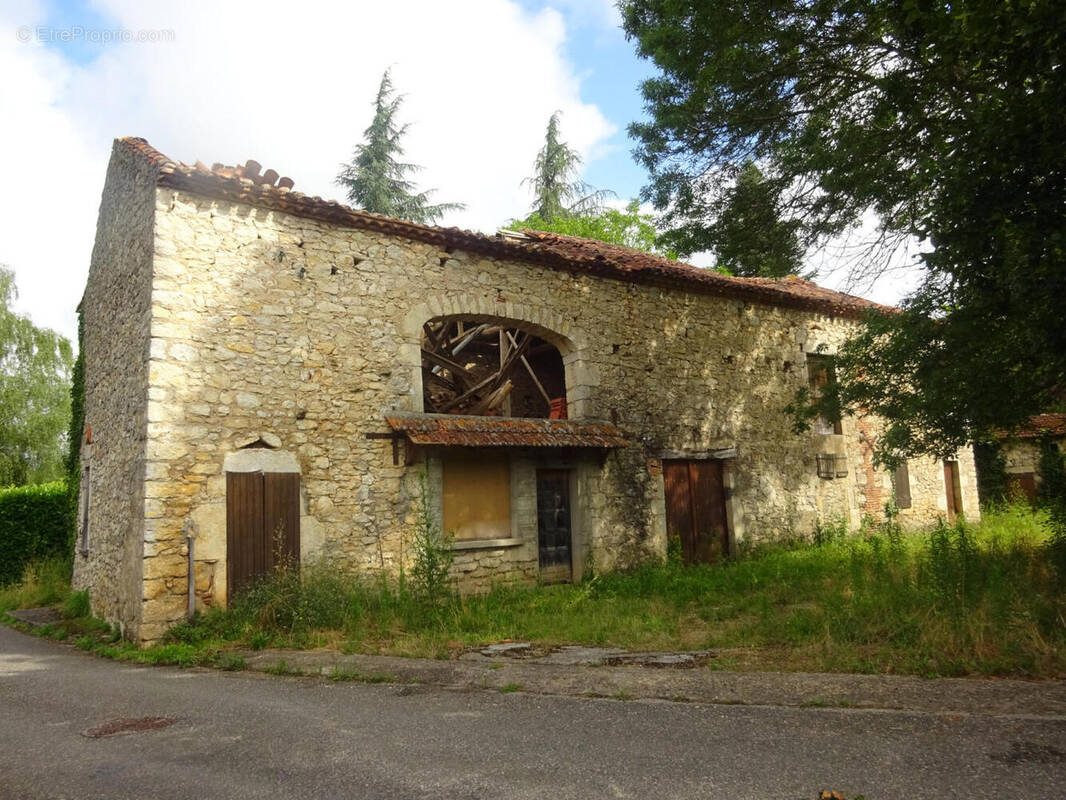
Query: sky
<point x="291" y="85"/>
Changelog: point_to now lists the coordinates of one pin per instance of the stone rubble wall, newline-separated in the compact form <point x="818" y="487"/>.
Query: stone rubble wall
<point x="267" y="324"/>
<point x="116" y="309"/>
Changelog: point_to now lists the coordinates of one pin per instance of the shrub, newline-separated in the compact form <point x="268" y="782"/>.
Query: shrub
<point x="76" y="605"/>
<point x="433" y="555"/>
<point x="33" y="525"/>
<point x="1052" y="473"/>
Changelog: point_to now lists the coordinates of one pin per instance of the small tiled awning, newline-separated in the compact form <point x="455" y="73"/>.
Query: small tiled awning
<point x="459" y="431"/>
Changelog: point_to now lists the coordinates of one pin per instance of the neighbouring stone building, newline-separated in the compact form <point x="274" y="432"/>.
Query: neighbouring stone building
<point x="259" y="364"/>
<point x="1021" y="452"/>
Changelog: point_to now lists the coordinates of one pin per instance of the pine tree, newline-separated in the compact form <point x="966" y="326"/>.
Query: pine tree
<point x="559" y="192"/>
<point x="749" y="237"/>
<point x="376" y="180"/>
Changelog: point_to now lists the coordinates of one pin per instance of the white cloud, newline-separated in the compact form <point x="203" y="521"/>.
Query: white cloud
<point x="288" y="87"/>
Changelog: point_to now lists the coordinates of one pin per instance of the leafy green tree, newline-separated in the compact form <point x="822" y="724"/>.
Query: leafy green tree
<point x="375" y="180"/>
<point x="35" y="368"/>
<point x="944" y="119"/>
<point x="559" y="192"/>
<point x="627" y="227"/>
<point x="748" y="235"/>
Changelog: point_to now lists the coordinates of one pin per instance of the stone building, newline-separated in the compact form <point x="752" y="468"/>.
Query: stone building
<point x="260" y="364"/>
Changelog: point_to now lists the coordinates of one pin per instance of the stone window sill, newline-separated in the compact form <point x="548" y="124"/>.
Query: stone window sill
<point x="486" y="544"/>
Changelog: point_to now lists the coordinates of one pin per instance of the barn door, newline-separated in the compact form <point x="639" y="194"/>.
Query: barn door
<point x="952" y="489"/>
<point x="262" y="525"/>
<point x="553" y="525"/>
<point x="695" y="509"/>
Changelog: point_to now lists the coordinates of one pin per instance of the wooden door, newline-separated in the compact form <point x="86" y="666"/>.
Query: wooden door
<point x="553" y="525"/>
<point x="953" y="489"/>
<point x="695" y="509"/>
<point x="262" y="525"/>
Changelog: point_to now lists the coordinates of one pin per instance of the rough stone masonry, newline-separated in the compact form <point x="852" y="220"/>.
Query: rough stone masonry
<point x="232" y="325"/>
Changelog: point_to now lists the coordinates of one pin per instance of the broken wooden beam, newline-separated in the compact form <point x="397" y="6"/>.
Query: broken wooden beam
<point x="532" y="374"/>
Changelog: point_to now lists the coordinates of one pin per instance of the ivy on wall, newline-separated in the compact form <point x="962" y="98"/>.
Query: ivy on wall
<point x="74" y="438"/>
<point x="991" y="463"/>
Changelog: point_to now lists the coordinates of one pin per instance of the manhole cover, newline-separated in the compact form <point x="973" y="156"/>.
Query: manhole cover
<point x="129" y="725"/>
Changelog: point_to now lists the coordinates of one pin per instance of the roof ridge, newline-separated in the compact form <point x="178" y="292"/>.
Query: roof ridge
<point x="583" y="256"/>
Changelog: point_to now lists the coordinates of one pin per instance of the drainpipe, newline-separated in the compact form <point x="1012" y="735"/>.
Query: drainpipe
<point x="191" y="541"/>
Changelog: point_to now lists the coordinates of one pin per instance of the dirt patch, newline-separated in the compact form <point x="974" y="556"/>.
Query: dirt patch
<point x="37" y="617"/>
<point x="129" y="725"/>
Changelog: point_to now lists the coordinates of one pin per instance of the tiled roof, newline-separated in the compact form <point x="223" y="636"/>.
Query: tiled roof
<point x="1042" y="425"/>
<point x="506" y="432"/>
<point x="630" y="261"/>
<point x="554" y="251"/>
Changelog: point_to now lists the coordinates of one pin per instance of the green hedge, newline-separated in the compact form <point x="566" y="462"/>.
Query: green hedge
<point x="34" y="522"/>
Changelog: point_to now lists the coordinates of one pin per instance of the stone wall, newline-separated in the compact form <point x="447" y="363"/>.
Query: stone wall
<point x="269" y="325"/>
<point x="116" y="310"/>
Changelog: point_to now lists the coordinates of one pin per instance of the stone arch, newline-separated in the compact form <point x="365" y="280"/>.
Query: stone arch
<point x="541" y="321"/>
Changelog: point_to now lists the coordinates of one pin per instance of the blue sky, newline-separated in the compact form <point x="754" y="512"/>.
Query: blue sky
<point x="606" y="64"/>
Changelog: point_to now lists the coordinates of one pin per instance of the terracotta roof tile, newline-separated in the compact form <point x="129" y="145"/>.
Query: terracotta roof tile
<point x="1042" y="425"/>
<point x="506" y="432"/>
<point x="554" y="251"/>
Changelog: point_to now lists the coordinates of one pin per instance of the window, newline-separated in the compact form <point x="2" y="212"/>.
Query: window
<point x="820" y="374"/>
<point x="477" y="496"/>
<point x="86" y="491"/>
<point x="901" y="485"/>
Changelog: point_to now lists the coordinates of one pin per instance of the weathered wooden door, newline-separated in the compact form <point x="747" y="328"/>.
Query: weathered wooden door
<point x="553" y="525"/>
<point x="262" y="525"/>
<point x="695" y="509"/>
<point x="952" y="489"/>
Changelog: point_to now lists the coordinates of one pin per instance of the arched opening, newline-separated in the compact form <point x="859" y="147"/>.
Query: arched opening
<point x="484" y="367"/>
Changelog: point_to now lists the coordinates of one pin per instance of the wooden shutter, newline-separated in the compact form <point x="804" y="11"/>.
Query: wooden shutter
<point x="901" y="483"/>
<point x="258" y="506"/>
<point x="281" y="516"/>
<point x="952" y="489"/>
<point x="695" y="509"/>
<point x="708" y="510"/>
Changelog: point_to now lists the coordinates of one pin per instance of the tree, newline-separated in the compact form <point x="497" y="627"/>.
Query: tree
<point x="559" y="192"/>
<point x="35" y="368"/>
<point x="627" y="227"/>
<point x="943" y="119"/>
<point x="375" y="180"/>
<point x="748" y="235"/>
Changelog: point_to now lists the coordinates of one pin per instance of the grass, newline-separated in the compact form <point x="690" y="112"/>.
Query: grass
<point x="983" y="599"/>
<point x="44" y="583"/>
<point x="345" y="675"/>
<point x="980" y="599"/>
<point x="281" y="668"/>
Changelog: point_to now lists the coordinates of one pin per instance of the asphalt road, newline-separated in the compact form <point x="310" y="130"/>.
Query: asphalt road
<point x="239" y="735"/>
